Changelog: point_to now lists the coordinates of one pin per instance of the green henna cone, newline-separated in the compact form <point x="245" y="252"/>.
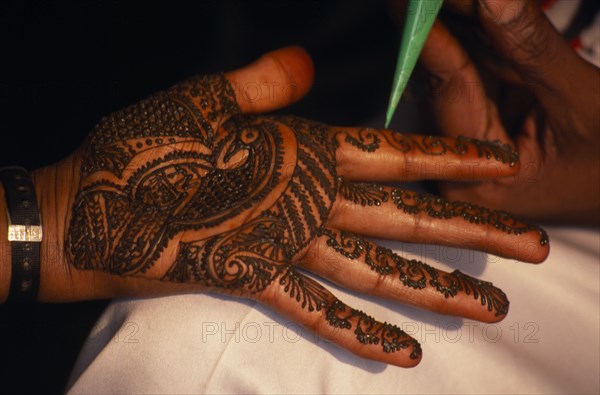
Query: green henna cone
<point x="419" y="20"/>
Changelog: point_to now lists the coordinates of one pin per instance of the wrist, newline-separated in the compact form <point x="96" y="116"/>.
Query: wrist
<point x="52" y="207"/>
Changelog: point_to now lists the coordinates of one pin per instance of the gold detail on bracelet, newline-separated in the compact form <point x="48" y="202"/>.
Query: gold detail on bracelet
<point x="28" y="233"/>
<point x="24" y="233"/>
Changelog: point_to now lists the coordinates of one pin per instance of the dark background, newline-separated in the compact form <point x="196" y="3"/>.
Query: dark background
<point x="64" y="65"/>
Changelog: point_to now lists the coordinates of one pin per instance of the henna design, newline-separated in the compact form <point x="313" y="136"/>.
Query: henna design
<point x="311" y="294"/>
<point x="354" y="247"/>
<point x="362" y="193"/>
<point x="436" y="207"/>
<point x="240" y="198"/>
<point x="413" y="273"/>
<point x="484" y="290"/>
<point x="416" y="274"/>
<point x="369" y="331"/>
<point x="250" y="257"/>
<point x="185" y="160"/>
<point x="369" y="140"/>
<point x="502" y="152"/>
<point x="188" y="110"/>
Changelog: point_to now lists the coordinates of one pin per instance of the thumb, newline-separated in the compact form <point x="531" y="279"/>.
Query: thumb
<point x="527" y="39"/>
<point x="275" y="80"/>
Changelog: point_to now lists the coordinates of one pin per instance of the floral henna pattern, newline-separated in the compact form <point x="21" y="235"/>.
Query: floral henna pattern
<point x="415" y="274"/>
<point x="362" y="193"/>
<point x="200" y="165"/>
<point x="436" y="207"/>
<point x="369" y="140"/>
<point x="485" y="291"/>
<point x="243" y="195"/>
<point x="238" y="199"/>
<point x="368" y="331"/>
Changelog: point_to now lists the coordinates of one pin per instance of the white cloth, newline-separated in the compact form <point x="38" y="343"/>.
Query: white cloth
<point x="548" y="343"/>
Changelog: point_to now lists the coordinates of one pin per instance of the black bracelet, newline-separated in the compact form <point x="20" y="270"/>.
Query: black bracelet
<point x="24" y="233"/>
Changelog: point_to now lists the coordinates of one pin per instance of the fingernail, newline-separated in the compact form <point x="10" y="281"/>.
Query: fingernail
<point x="503" y="11"/>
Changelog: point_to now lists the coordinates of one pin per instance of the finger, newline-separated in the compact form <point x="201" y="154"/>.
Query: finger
<point x="277" y="79"/>
<point x="382" y="155"/>
<point x="526" y="38"/>
<point x="360" y="265"/>
<point x="311" y="305"/>
<point x="404" y="215"/>
<point x="457" y="95"/>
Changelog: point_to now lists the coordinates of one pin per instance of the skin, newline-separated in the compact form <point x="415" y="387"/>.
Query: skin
<point x="191" y="191"/>
<point x="555" y="131"/>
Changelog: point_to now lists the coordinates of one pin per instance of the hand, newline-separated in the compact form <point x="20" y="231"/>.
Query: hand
<point x="556" y="134"/>
<point x="188" y="191"/>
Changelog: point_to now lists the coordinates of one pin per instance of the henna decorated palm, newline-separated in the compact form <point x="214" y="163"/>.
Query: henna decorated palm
<point x="187" y="187"/>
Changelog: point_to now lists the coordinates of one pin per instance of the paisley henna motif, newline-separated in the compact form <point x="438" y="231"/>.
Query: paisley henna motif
<point x="240" y="198"/>
<point x="186" y="160"/>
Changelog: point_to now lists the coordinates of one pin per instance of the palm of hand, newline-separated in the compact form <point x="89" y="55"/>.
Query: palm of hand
<point x="239" y="191"/>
